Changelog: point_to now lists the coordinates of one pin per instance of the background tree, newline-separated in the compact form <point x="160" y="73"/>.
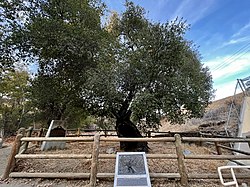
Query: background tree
<point x="150" y="71"/>
<point x="6" y="51"/>
<point x="14" y="104"/>
<point x="54" y="100"/>
<point x="63" y="38"/>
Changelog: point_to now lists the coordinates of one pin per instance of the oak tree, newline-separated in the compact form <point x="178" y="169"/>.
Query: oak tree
<point x="150" y="71"/>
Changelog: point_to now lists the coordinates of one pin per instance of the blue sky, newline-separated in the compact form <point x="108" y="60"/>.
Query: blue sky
<point x="221" y="29"/>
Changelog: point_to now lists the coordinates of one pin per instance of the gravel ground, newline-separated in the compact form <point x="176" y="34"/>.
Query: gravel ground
<point x="78" y="165"/>
<point x="39" y="165"/>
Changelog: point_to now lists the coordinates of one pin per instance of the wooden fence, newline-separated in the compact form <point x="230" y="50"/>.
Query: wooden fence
<point x="182" y="174"/>
<point x="78" y="132"/>
<point x="105" y="132"/>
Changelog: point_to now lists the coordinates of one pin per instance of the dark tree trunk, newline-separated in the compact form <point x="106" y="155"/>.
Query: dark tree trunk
<point x="126" y="128"/>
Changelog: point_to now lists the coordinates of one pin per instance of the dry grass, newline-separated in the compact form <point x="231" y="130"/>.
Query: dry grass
<point x="226" y="101"/>
<point x="166" y="126"/>
<point x="215" y="118"/>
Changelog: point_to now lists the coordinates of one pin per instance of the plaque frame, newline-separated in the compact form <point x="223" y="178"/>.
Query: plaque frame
<point x="142" y="178"/>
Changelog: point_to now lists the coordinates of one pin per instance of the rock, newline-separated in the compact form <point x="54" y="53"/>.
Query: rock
<point x="110" y="150"/>
<point x="186" y="152"/>
<point x="244" y="185"/>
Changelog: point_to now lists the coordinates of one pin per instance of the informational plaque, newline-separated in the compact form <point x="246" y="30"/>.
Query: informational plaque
<point x="131" y="170"/>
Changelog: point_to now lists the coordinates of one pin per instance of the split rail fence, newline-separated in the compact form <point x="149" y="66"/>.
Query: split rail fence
<point x="182" y="175"/>
<point x="80" y="132"/>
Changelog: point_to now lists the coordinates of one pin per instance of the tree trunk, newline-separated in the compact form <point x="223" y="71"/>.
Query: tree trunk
<point x="126" y="128"/>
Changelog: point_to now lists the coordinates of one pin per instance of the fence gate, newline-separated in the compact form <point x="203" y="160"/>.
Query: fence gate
<point x="131" y="170"/>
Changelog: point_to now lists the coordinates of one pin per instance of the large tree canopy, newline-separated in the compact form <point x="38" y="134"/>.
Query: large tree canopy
<point x="63" y="38"/>
<point x="68" y="41"/>
<point x="151" y="70"/>
<point x="131" y="69"/>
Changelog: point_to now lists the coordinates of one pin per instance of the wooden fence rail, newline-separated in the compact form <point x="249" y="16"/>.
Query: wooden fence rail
<point x="178" y="141"/>
<point x="76" y="132"/>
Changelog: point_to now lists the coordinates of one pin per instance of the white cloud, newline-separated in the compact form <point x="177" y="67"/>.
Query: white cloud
<point x="225" y="74"/>
<point x="193" y="10"/>
<point x="224" y="66"/>
<point x="236" y="41"/>
<point x="225" y="90"/>
<point x="242" y="31"/>
<point x="241" y="36"/>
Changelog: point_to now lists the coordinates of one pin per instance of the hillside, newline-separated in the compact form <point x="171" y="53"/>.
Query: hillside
<point x="214" y="120"/>
<point x="226" y="101"/>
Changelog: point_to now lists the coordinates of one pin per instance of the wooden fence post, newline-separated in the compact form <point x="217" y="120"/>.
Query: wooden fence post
<point x="40" y="134"/>
<point x="180" y="159"/>
<point x="26" y="144"/>
<point x="94" y="164"/>
<point x="78" y="133"/>
<point x="12" y="161"/>
<point x="21" y="131"/>
<point x="218" y="149"/>
<point x="149" y="134"/>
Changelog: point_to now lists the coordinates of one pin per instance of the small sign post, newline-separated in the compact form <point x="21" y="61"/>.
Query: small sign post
<point x="131" y="170"/>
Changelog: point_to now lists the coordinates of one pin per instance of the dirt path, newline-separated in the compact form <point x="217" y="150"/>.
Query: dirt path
<point x="4" y="154"/>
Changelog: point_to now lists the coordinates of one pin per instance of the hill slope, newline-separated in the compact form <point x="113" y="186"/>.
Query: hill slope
<point x="214" y="120"/>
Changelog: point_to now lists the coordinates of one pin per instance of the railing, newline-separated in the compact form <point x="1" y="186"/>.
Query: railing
<point x="93" y="174"/>
<point x="78" y="132"/>
<point x="231" y="168"/>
